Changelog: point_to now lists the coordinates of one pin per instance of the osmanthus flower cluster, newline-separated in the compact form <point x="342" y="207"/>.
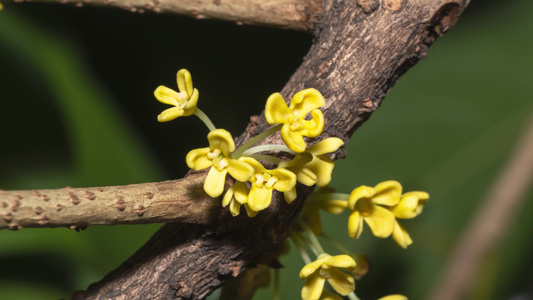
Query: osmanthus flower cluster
<point x="254" y="183"/>
<point x="380" y="207"/>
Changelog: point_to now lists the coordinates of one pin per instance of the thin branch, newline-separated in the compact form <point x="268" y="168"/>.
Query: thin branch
<point x="288" y="14"/>
<point x="159" y="202"/>
<point x="491" y="222"/>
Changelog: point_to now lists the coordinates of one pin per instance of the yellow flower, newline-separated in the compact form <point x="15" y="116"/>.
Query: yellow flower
<point x="364" y="202"/>
<point x="314" y="166"/>
<point x="217" y="156"/>
<point x="295" y="125"/>
<point x="327" y="267"/>
<point x="312" y="208"/>
<point x="327" y="295"/>
<point x="400" y="235"/>
<point x="410" y="206"/>
<point x="393" y="297"/>
<point x="264" y="181"/>
<point x="235" y="196"/>
<point x="184" y="102"/>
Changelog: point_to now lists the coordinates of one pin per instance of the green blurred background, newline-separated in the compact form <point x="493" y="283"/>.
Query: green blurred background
<point x="77" y="109"/>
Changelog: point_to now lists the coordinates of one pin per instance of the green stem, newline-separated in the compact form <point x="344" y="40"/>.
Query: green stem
<point x="255" y="140"/>
<point x="301" y="250"/>
<point x="353" y="296"/>
<point x="276" y="285"/>
<point x="269" y="158"/>
<point x="328" y="196"/>
<point x="262" y="148"/>
<point x="335" y="243"/>
<point x="200" y="114"/>
<point x="312" y="237"/>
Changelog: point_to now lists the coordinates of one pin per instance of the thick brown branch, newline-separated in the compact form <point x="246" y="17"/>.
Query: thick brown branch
<point x="288" y="14"/>
<point x="160" y="202"/>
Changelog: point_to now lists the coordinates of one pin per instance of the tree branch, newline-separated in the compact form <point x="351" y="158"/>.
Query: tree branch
<point x="288" y="14"/>
<point x="169" y="201"/>
<point x="360" y="49"/>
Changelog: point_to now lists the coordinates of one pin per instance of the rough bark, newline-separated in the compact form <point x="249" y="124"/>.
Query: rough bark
<point x="169" y="201"/>
<point x="360" y="49"/>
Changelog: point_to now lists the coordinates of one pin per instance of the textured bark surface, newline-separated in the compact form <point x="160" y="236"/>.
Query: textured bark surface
<point x="360" y="49"/>
<point x="159" y="202"/>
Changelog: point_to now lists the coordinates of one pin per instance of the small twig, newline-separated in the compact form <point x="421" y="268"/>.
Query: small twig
<point x="491" y="222"/>
<point x="170" y="201"/>
<point x="288" y="14"/>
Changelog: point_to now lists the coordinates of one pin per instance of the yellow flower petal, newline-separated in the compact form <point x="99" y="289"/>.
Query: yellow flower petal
<point x="313" y="127"/>
<point x="343" y="283"/>
<point x="191" y="105"/>
<point x="214" y="182"/>
<point x="312" y="267"/>
<point x="306" y="100"/>
<point x="197" y="159"/>
<point x="240" y="170"/>
<point x="184" y="80"/>
<point x="393" y="297"/>
<point x="170" y="114"/>
<point x="169" y="96"/>
<point x="411" y="205"/>
<point x="355" y="224"/>
<point x="381" y="221"/>
<point x="359" y="193"/>
<point x="327" y="295"/>
<point x="387" y="193"/>
<point x="400" y="235"/>
<point x="305" y="176"/>
<point x="234" y="208"/>
<point x="313" y="287"/>
<point x="250" y="212"/>
<point x="322" y="167"/>
<point x="240" y="192"/>
<point x="290" y="195"/>
<point x="259" y="198"/>
<point x="326" y="146"/>
<point x="221" y="139"/>
<point x="257" y="166"/>
<point x="342" y="261"/>
<point x="276" y="110"/>
<point x="227" y="197"/>
<point x="293" y="139"/>
<point x="286" y="179"/>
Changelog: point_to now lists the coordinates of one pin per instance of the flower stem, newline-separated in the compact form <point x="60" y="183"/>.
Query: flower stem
<point x="353" y="296"/>
<point x="301" y="250"/>
<point x="255" y="140"/>
<point x="276" y="295"/>
<point x="312" y="237"/>
<point x="269" y="158"/>
<point x="200" y="114"/>
<point x="328" y="196"/>
<point x="262" y="148"/>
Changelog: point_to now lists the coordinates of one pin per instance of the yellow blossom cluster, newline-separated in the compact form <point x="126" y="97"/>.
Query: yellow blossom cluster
<point x="254" y="183"/>
<point x="380" y="207"/>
